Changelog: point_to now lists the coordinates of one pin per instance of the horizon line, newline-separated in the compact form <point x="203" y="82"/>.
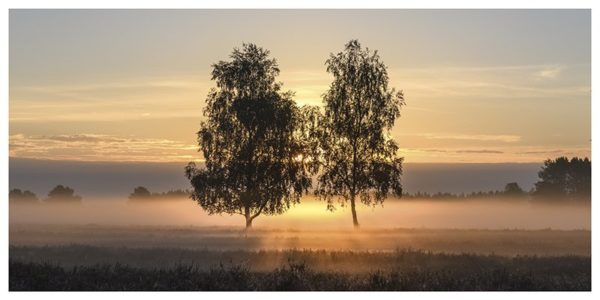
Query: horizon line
<point x="186" y="162"/>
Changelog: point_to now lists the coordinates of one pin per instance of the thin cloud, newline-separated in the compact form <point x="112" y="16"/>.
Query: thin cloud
<point x="488" y="68"/>
<point x="481" y="151"/>
<point x="126" y="84"/>
<point x="96" y="147"/>
<point x="430" y="150"/>
<point x="86" y="138"/>
<point x="542" y="152"/>
<point x="549" y="72"/>
<point x="478" y="137"/>
<point x="498" y="82"/>
<point x="100" y="147"/>
<point x="505" y="138"/>
<point x="108" y="101"/>
<point x="500" y="154"/>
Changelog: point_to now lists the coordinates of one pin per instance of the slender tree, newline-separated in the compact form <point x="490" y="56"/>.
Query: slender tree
<point x="359" y="156"/>
<point x="252" y="141"/>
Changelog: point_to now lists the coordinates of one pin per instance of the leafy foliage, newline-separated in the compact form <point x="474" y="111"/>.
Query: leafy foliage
<point x="63" y="194"/>
<point x="16" y="196"/>
<point x="251" y="141"/>
<point x="360" y="109"/>
<point x="140" y="192"/>
<point x="562" y="179"/>
<point x="514" y="190"/>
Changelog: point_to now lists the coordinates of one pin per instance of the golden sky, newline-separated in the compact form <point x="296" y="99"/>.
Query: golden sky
<point x="480" y="86"/>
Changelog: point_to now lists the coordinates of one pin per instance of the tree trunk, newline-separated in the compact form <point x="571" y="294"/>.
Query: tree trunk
<point x="353" y="207"/>
<point x="353" y="188"/>
<point x="248" y="218"/>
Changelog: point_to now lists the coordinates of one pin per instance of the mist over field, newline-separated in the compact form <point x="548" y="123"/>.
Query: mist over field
<point x="312" y="214"/>
<point x="473" y="239"/>
<point x="104" y="188"/>
<point x="98" y="223"/>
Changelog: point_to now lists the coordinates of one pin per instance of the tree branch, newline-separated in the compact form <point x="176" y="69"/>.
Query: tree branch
<point x="260" y="209"/>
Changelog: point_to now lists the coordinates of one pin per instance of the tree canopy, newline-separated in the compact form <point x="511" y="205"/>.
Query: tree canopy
<point x="359" y="156"/>
<point x="513" y="189"/>
<point x="140" y="192"/>
<point x="17" y="196"/>
<point x="252" y="141"/>
<point x="564" y="179"/>
<point x="63" y="194"/>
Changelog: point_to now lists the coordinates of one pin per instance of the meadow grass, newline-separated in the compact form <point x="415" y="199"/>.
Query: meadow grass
<point x="304" y="270"/>
<point x="139" y="258"/>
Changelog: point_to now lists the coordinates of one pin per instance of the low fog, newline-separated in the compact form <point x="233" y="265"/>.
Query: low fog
<point x="312" y="214"/>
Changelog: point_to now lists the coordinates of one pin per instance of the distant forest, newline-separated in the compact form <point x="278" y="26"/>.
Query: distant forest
<point x="142" y="194"/>
<point x="560" y="180"/>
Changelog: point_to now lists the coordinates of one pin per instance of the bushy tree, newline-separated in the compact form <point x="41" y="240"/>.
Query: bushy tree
<point x="512" y="189"/>
<point x="16" y="196"/>
<point x="580" y="179"/>
<point x="564" y="179"/>
<point x="63" y="194"/>
<point x="140" y="192"/>
<point x="252" y="141"/>
<point x="359" y="156"/>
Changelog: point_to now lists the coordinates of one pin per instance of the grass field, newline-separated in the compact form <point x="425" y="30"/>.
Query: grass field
<point x="400" y="270"/>
<point x="100" y="257"/>
<point x="499" y="242"/>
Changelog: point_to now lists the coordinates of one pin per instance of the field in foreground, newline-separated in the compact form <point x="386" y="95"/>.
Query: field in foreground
<point x="401" y="270"/>
<point x="102" y="257"/>
<point x="498" y="242"/>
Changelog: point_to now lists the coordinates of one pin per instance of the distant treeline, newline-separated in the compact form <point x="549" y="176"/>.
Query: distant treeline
<point x="58" y="195"/>
<point x="66" y="195"/>
<point x="141" y="194"/>
<point x="511" y="190"/>
<point x="561" y="180"/>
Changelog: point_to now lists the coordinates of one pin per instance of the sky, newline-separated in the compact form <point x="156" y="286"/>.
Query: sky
<point x="130" y="85"/>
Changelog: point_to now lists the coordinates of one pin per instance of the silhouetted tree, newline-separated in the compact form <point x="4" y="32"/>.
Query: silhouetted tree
<point x="252" y="141"/>
<point x="359" y="156"/>
<point x="562" y="179"/>
<point x="513" y="189"/>
<point x="16" y="196"/>
<point x="580" y="179"/>
<point x="140" y="192"/>
<point x="63" y="194"/>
